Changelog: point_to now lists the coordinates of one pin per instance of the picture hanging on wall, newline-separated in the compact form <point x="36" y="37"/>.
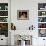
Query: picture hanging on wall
<point x="23" y="14"/>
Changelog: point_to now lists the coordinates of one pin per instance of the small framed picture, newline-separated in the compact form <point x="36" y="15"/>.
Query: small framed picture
<point x="23" y="14"/>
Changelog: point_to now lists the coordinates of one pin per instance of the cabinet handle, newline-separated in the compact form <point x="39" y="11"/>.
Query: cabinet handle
<point x="1" y="39"/>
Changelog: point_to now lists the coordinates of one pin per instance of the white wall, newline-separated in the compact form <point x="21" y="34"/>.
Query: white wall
<point x="32" y="6"/>
<point x="24" y="5"/>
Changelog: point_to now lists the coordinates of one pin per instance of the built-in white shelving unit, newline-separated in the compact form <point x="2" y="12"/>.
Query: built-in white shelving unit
<point x="42" y="19"/>
<point x="4" y="19"/>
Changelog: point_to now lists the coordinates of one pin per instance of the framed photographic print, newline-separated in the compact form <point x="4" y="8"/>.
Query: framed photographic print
<point x="23" y="14"/>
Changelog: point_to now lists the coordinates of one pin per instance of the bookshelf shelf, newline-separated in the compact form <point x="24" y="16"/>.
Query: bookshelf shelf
<point x="41" y="22"/>
<point x="3" y="10"/>
<point x="42" y="10"/>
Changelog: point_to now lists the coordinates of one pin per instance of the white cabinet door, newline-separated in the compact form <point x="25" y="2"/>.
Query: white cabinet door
<point x="41" y="41"/>
<point x="3" y="41"/>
